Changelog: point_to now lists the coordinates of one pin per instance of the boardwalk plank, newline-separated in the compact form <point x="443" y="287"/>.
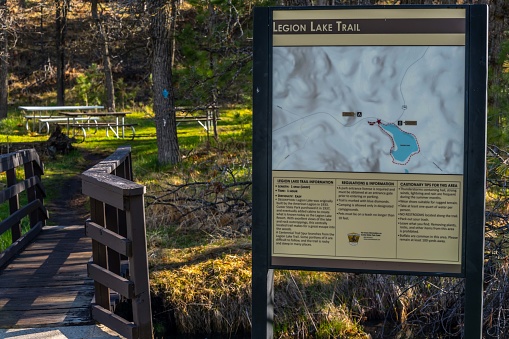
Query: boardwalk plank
<point x="48" y="269"/>
<point x="19" y="294"/>
<point x="75" y="280"/>
<point x="23" y="274"/>
<point x="55" y="256"/>
<point x="44" y="318"/>
<point x="47" y="284"/>
<point x="52" y="301"/>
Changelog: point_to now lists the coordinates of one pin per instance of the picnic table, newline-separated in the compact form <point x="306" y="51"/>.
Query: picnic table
<point x="43" y="120"/>
<point x="207" y="119"/>
<point x="83" y="121"/>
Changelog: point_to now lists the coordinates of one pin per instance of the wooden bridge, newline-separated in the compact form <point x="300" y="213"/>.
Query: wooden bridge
<point x="47" y="283"/>
<point x="47" y="276"/>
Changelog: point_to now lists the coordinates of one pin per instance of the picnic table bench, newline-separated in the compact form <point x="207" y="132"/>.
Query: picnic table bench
<point x="85" y="126"/>
<point x="47" y="121"/>
<point x="35" y="115"/>
<point x="82" y="122"/>
<point x="204" y="121"/>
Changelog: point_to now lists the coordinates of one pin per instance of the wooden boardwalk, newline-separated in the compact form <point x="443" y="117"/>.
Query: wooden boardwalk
<point x="47" y="284"/>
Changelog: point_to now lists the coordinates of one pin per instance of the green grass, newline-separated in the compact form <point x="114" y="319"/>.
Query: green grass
<point x="6" y="237"/>
<point x="190" y="136"/>
<point x="146" y="168"/>
<point x="234" y="124"/>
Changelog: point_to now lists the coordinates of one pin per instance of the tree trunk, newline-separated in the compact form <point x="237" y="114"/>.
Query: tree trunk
<point x="108" y="74"/>
<point x="4" y="60"/>
<point x="173" y="28"/>
<point x="164" y="101"/>
<point x="62" y="7"/>
<point x="499" y="18"/>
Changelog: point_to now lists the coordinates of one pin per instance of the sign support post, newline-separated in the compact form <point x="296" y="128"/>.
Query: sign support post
<point x="262" y="276"/>
<point x="474" y="270"/>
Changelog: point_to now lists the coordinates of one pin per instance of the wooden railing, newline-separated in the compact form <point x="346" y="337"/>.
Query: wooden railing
<point x="117" y="229"/>
<point x="11" y="166"/>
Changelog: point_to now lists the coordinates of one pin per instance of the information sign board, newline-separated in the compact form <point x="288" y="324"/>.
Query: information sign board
<point x="368" y="111"/>
<point x="369" y="141"/>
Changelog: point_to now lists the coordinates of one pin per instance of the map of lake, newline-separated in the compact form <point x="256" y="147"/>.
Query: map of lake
<point x="404" y="144"/>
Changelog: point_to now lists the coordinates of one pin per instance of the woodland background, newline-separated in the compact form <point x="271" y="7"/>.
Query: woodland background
<point x="124" y="54"/>
<point x="163" y="52"/>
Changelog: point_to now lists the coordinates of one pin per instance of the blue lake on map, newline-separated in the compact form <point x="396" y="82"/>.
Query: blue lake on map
<point x="405" y="144"/>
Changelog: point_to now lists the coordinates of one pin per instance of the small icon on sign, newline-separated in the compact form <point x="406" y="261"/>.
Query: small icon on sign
<point x="400" y="122"/>
<point x="353" y="238"/>
<point x="359" y="114"/>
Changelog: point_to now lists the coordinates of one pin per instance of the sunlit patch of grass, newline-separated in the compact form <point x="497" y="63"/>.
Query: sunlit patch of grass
<point x="211" y="295"/>
<point x="173" y="245"/>
<point x="309" y="305"/>
<point x="13" y="130"/>
<point x="226" y="160"/>
<point x="13" y="125"/>
<point x="337" y="322"/>
<point x="6" y="237"/>
<point x="206" y="289"/>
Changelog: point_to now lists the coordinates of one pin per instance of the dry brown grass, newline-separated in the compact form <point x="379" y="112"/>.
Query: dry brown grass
<point x="201" y="269"/>
<point x="307" y="305"/>
<point x="211" y="294"/>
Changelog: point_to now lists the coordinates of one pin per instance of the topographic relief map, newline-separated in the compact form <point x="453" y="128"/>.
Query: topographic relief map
<point x="393" y="109"/>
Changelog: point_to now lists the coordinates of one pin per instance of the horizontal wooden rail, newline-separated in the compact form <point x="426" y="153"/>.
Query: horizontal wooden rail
<point x="121" y="285"/>
<point x="16" y="217"/>
<point x="126" y="328"/>
<point x="18" y="245"/>
<point x="20" y="187"/>
<point x="18" y="159"/>
<point x="117" y="229"/>
<point x="31" y="185"/>
<point x="108" y="238"/>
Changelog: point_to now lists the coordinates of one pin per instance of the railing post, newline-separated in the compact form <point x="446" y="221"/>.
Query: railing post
<point x="124" y="169"/>
<point x="117" y="228"/>
<point x="34" y="209"/>
<point x="31" y="192"/>
<point x="13" y="204"/>
<point x="138" y="266"/>
<point x="99" y="253"/>
<point x="112" y="224"/>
